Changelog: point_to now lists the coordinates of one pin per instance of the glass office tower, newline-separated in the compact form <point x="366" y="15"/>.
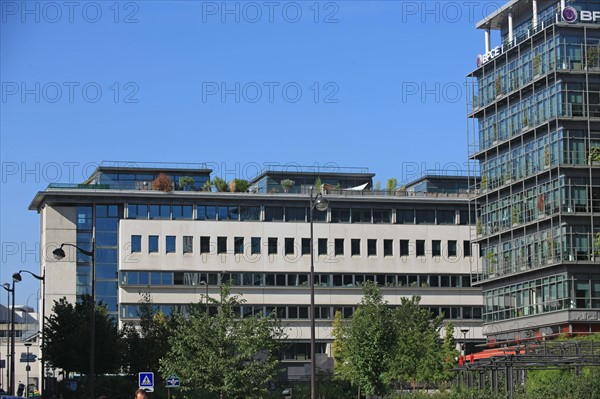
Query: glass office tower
<point x="534" y="135"/>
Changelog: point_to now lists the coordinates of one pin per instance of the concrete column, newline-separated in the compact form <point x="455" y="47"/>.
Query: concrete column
<point x="563" y="4"/>
<point x="510" y="27"/>
<point x="534" y="22"/>
<point x="488" y="40"/>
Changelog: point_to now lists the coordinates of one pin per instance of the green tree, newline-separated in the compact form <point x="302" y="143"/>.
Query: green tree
<point x="147" y="342"/>
<point x="391" y="185"/>
<point x="66" y="342"/>
<point x="220" y="184"/>
<point x="449" y="353"/>
<point x="417" y="353"/>
<point x="318" y="184"/>
<point x="223" y="354"/>
<point x="239" y="186"/>
<point x="363" y="345"/>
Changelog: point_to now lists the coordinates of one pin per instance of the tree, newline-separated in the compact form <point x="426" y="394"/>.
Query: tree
<point x="391" y="185"/>
<point x="417" y="355"/>
<point x="66" y="342"/>
<point x="147" y="342"/>
<point x="162" y="183"/>
<point x="449" y="353"/>
<point x="220" y="184"/>
<point x="223" y="354"/>
<point x="362" y="347"/>
<point x="238" y="186"/>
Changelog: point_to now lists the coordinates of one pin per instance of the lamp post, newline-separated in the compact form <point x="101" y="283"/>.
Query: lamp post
<point x="464" y="332"/>
<point x="16" y="278"/>
<point x="27" y="368"/>
<point x="6" y="286"/>
<point x="321" y="204"/>
<point x="59" y="254"/>
<point x="41" y="278"/>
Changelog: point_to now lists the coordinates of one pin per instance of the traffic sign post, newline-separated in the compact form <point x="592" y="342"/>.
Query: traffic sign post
<point x="146" y="381"/>
<point x="172" y="382"/>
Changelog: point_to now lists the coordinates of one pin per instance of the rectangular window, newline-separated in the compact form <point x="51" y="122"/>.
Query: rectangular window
<point x="340" y="215"/>
<point x="436" y="248"/>
<point x="382" y="216"/>
<point x="403" y="247"/>
<point x="255" y="249"/>
<point x="188" y="244"/>
<point x="371" y="247"/>
<point x="206" y="212"/>
<point x="170" y="241"/>
<point x="152" y="244"/>
<point x="238" y="245"/>
<point x="273" y="214"/>
<point x="182" y="212"/>
<point x="420" y="247"/>
<point x="361" y="215"/>
<point x="136" y="244"/>
<point x="405" y="216"/>
<point x="272" y="243"/>
<point x="204" y="244"/>
<point x="451" y="248"/>
<point x="339" y="246"/>
<point x="446" y="217"/>
<point x="388" y="248"/>
<point x="425" y="216"/>
<point x="467" y="248"/>
<point x="221" y="245"/>
<point x="289" y="245"/>
<point x="294" y="214"/>
<point x="355" y="246"/>
<point x="249" y="213"/>
<point x="306" y="246"/>
<point x="322" y="246"/>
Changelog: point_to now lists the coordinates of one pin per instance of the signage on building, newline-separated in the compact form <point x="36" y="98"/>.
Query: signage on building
<point x="483" y="59"/>
<point x="572" y="16"/>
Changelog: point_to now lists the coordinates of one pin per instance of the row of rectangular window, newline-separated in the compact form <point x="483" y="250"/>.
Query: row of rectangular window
<point x="297" y="214"/>
<point x="131" y="311"/>
<point x="293" y="279"/>
<point x="324" y="247"/>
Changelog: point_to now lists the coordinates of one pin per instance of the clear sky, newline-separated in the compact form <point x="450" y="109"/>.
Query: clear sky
<point x="238" y="85"/>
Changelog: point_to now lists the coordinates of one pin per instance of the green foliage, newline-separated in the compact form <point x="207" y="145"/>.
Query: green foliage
<point x="287" y="184"/>
<point x="318" y="184"/>
<point x="147" y="343"/>
<point x="66" y="342"/>
<point x="594" y="154"/>
<point x="362" y="346"/>
<point x="238" y="186"/>
<point x="220" y="184"/>
<point x="377" y="185"/>
<point x="208" y="185"/>
<point x="449" y="352"/>
<point x="417" y="356"/>
<point x="223" y="354"/>
<point x="391" y="184"/>
<point x="187" y="183"/>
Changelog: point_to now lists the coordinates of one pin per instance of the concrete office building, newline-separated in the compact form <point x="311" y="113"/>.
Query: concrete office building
<point x="179" y="245"/>
<point x="534" y="133"/>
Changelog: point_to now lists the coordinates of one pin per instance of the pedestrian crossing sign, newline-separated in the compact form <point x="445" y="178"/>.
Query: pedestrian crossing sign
<point x="146" y="381"/>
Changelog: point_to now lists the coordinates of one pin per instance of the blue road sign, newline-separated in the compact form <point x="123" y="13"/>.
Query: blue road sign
<point x="146" y="381"/>
<point x="173" y="382"/>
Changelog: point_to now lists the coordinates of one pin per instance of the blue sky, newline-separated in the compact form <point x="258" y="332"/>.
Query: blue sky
<point x="377" y="84"/>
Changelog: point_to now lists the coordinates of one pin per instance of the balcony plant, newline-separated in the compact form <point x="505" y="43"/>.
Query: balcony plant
<point x="515" y="215"/>
<point x="537" y="63"/>
<point x="550" y="242"/>
<point x="220" y="185"/>
<point x="490" y="256"/>
<point x="207" y="186"/>
<point x="596" y="253"/>
<point x="163" y="183"/>
<point x="287" y="184"/>
<point x="547" y="157"/>
<point x="484" y="182"/>
<point x="594" y="156"/>
<point x="318" y="184"/>
<point x="593" y="57"/>
<point x="186" y="183"/>
<point x="391" y="185"/>
<point x="478" y="227"/>
<point x="238" y="186"/>
<point x="498" y="86"/>
<point x="541" y="205"/>
<point x="525" y="121"/>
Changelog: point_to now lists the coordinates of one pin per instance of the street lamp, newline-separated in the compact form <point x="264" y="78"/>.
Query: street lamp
<point x="321" y="204"/>
<point x="16" y="278"/>
<point x="6" y="286"/>
<point x="59" y="254"/>
<point x="27" y="368"/>
<point x="464" y="332"/>
<point x="41" y="278"/>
